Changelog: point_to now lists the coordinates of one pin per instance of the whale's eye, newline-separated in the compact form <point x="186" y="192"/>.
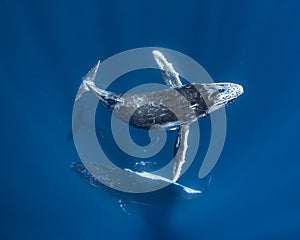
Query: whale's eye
<point x="221" y="90"/>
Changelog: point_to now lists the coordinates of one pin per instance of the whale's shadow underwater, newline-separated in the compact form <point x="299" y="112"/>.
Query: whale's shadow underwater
<point x="175" y="109"/>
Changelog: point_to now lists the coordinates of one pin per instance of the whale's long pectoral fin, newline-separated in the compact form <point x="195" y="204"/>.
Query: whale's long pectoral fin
<point x="171" y="78"/>
<point x="180" y="149"/>
<point x="156" y="178"/>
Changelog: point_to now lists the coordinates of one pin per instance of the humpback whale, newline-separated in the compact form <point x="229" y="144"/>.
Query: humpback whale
<point x="174" y="108"/>
<point x="173" y="192"/>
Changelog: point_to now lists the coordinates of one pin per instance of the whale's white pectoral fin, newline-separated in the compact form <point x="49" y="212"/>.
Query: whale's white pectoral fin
<point x="88" y="79"/>
<point x="158" y="178"/>
<point x="170" y="76"/>
<point x="180" y="150"/>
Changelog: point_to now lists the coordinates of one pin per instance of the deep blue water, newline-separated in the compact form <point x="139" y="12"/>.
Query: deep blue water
<point x="45" y="49"/>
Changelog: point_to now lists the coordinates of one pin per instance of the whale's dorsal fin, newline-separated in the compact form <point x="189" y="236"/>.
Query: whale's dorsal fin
<point x="171" y="78"/>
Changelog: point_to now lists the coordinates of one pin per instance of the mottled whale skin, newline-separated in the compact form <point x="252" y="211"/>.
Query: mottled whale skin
<point x="169" y="108"/>
<point x="173" y="108"/>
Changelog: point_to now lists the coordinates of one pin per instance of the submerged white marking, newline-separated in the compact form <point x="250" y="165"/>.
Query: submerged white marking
<point x="123" y="206"/>
<point x="160" y="178"/>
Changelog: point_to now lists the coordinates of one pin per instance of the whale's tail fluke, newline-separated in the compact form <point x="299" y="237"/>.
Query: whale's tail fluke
<point x="88" y="80"/>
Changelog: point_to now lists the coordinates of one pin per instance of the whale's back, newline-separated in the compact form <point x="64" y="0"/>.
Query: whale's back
<point x="170" y="108"/>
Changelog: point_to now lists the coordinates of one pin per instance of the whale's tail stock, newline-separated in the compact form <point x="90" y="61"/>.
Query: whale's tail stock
<point x="87" y="81"/>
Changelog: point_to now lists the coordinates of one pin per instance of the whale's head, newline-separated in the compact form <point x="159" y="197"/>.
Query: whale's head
<point x="218" y="95"/>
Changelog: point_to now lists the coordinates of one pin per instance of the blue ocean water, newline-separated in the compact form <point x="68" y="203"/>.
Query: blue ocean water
<point x="47" y="46"/>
